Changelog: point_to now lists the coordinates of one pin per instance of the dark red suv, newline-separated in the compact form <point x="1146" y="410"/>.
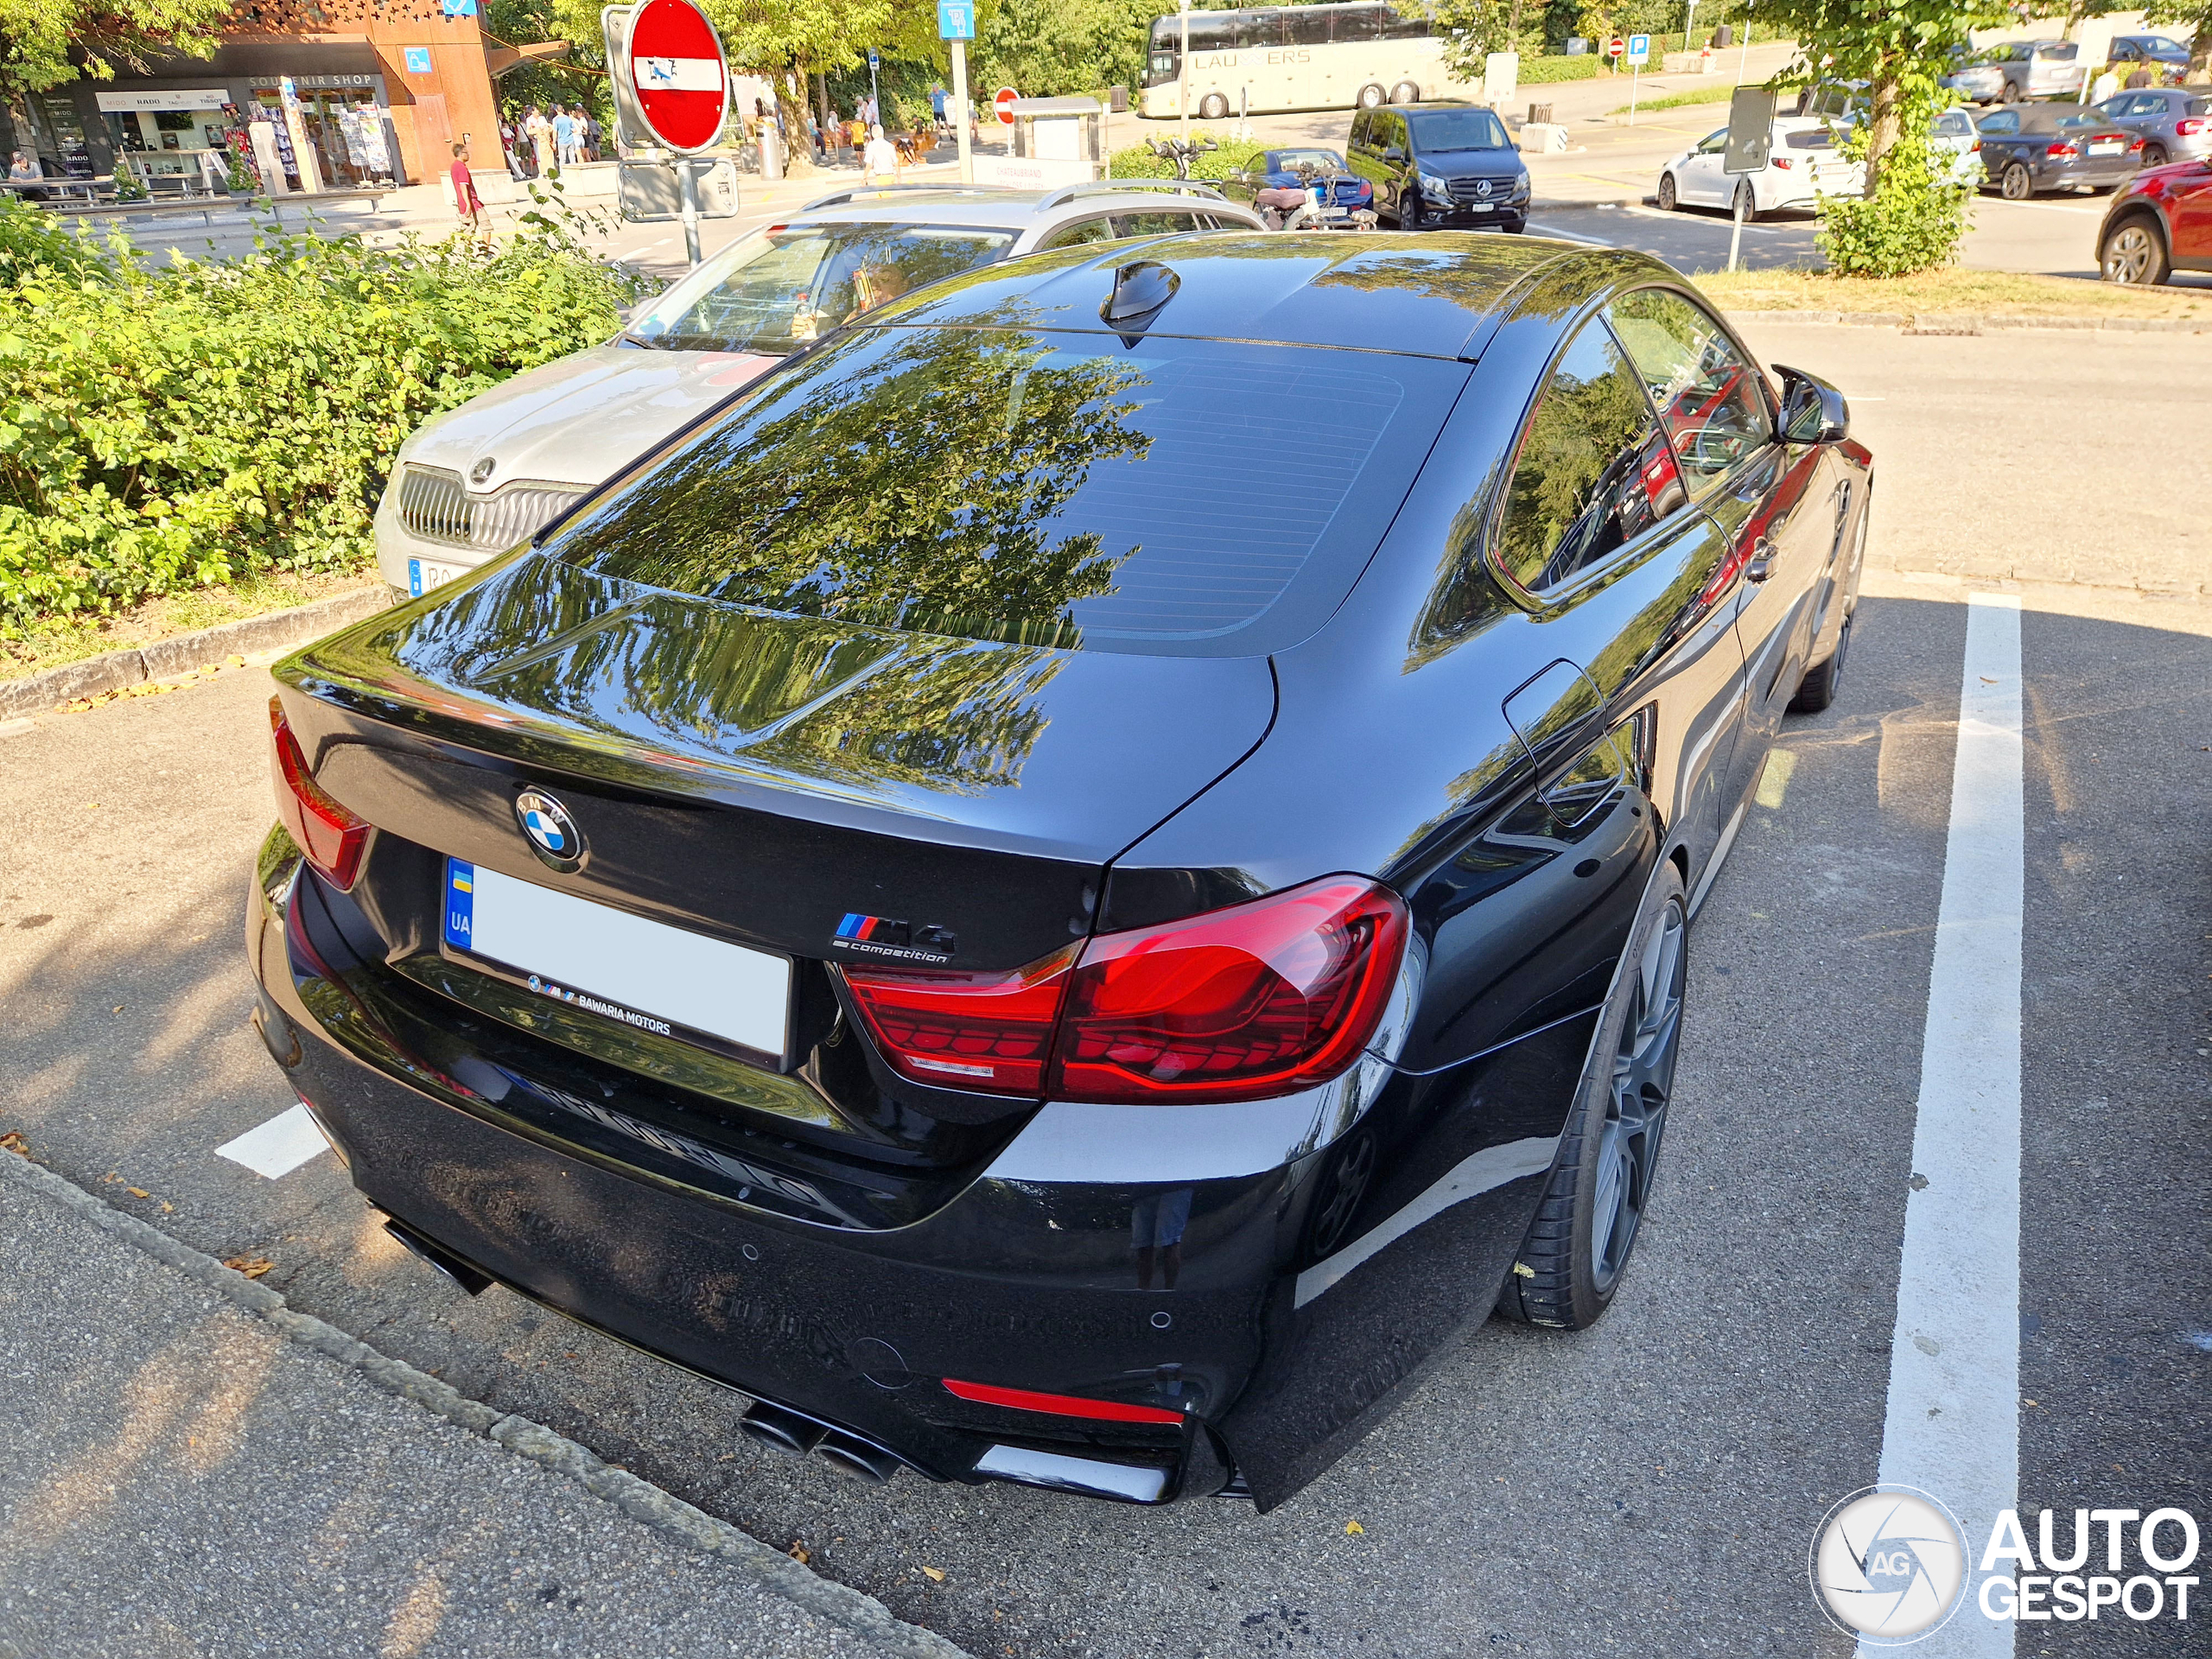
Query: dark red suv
<point x="2160" y="222"/>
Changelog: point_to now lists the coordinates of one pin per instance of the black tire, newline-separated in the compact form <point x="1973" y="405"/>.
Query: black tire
<point x="1513" y="227"/>
<point x="1372" y="97"/>
<point x="1213" y="107"/>
<point x="1405" y="92"/>
<point x="2154" y="155"/>
<point x="1748" y="199"/>
<point x="1409" y="208"/>
<point x="2134" y="253"/>
<point x="1669" y="199"/>
<point x="1824" y="679"/>
<point x="2008" y="94"/>
<point x="1572" y="1262"/>
<point x="2015" y="184"/>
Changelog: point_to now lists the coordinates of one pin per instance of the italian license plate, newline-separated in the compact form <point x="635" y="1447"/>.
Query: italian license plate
<point x="2106" y="147"/>
<point x="644" y="974"/>
<point x="424" y="574"/>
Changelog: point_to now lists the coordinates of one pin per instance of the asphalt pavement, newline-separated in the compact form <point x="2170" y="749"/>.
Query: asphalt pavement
<point x="1650" y="1486"/>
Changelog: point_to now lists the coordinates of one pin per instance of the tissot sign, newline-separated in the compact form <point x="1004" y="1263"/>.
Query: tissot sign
<point x="673" y="61"/>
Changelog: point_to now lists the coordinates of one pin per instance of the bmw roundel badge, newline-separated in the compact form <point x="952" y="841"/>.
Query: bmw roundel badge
<point x="552" y="834"/>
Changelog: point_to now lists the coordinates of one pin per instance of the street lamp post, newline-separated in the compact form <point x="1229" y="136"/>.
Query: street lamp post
<point x="1743" y="58"/>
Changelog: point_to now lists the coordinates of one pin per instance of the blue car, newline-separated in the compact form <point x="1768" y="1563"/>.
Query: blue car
<point x="1277" y="170"/>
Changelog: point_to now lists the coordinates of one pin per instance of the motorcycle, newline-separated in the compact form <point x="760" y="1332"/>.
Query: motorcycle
<point x="1181" y="152"/>
<point x="1313" y="206"/>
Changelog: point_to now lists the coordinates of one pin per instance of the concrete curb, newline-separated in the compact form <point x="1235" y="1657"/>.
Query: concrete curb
<point x="862" y="1615"/>
<point x="118" y="669"/>
<point x="1968" y="323"/>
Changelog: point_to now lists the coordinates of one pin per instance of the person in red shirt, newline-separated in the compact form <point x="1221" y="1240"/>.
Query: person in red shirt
<point x="466" y="201"/>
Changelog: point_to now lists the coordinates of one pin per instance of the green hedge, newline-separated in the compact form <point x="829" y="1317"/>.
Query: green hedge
<point x="170" y="427"/>
<point x="1583" y="65"/>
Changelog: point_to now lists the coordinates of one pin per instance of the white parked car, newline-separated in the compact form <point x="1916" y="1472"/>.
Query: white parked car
<point x="1802" y="165"/>
<point x="1954" y="133"/>
<point x="478" y="480"/>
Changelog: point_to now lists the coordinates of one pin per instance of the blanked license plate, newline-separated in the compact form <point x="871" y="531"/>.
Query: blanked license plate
<point x="2107" y="147"/>
<point x="424" y="574"/>
<point x="645" y="974"/>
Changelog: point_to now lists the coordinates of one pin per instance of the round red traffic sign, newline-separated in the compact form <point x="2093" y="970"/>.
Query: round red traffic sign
<point x="1004" y="104"/>
<point x="676" y="64"/>
<point x="1616" y="46"/>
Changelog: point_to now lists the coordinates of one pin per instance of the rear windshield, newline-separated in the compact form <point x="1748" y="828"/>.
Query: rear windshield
<point x="1439" y="130"/>
<point x="1040" y="487"/>
<point x="775" y="292"/>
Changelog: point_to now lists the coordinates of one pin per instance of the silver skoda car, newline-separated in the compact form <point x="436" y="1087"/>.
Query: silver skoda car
<point x="476" y="480"/>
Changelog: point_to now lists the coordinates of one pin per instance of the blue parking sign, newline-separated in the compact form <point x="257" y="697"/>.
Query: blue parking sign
<point x="1639" y="48"/>
<point x="955" y="19"/>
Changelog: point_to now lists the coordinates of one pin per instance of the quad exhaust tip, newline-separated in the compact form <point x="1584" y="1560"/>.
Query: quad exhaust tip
<point x="469" y="1279"/>
<point x="849" y="1455"/>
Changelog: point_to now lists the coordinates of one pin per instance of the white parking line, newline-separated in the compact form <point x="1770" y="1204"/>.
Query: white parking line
<point x="1569" y="236"/>
<point x="1677" y="218"/>
<point x="278" y="1147"/>
<point x="1953" y="1427"/>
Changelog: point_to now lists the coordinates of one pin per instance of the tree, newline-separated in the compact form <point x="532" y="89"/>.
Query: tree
<point x="46" y="43"/>
<point x="1902" y="48"/>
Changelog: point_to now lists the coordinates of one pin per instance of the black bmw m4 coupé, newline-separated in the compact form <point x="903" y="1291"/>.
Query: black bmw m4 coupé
<point x="1062" y="889"/>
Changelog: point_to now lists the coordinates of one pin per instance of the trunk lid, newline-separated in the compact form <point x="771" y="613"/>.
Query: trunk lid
<point x="761" y="779"/>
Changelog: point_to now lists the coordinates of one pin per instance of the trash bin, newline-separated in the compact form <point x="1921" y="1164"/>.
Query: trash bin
<point x="1540" y="114"/>
<point x="1724" y="35"/>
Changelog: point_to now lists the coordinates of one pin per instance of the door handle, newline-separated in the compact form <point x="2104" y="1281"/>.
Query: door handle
<point x="1764" y="552"/>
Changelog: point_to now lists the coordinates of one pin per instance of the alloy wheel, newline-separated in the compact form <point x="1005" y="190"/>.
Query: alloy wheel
<point x="2128" y="256"/>
<point x="2017" y="186"/>
<point x="1669" y="200"/>
<point x="1636" y="1113"/>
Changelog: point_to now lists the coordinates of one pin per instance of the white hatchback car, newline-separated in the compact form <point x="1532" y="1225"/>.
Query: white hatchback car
<point x="1802" y="165"/>
<point x="478" y="479"/>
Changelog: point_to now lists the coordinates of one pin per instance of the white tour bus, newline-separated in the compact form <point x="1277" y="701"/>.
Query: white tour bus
<point x="1295" y="58"/>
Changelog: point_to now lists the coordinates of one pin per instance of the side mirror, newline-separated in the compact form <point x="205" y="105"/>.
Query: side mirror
<point x="1813" y="412"/>
<point x="1392" y="153"/>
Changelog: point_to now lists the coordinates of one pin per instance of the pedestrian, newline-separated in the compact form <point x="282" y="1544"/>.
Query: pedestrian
<point x="856" y="136"/>
<point x="466" y="201"/>
<point x="27" y="169"/>
<point x="540" y="133"/>
<point x="2103" y="87"/>
<point x="593" y="133"/>
<point x="880" y="162"/>
<point x="2138" y="77"/>
<point x="937" y="109"/>
<point x="564" y="135"/>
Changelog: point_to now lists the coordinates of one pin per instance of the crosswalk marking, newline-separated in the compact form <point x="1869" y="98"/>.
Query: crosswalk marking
<point x="278" y="1147"/>
<point x="1952" y="1427"/>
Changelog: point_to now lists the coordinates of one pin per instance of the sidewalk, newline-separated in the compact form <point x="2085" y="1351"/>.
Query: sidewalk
<point x="189" y="1476"/>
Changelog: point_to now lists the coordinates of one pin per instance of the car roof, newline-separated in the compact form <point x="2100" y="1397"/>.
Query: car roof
<point x="1440" y="295"/>
<point x="1002" y="209"/>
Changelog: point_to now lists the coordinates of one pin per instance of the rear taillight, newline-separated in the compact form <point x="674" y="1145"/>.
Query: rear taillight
<point x="2134" y="147"/>
<point x="2055" y="150"/>
<point x="331" y="837"/>
<point x="992" y="1031"/>
<point x="1256" y="1000"/>
<point x="1061" y="1405"/>
<point x="1784" y="162"/>
<point x="2189" y="126"/>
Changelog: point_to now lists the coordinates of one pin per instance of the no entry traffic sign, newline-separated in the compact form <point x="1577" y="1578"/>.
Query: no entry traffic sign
<point x="1615" y="46"/>
<point x="676" y="64"/>
<point x="1004" y="104"/>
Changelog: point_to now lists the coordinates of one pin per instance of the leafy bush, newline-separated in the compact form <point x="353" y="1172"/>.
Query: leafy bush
<point x="1912" y="221"/>
<point x="163" y="429"/>
<point x="1138" y="162"/>
<point x="31" y="238"/>
<point x="1583" y="65"/>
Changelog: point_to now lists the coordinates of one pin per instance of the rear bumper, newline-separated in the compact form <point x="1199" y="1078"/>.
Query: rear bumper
<point x="1018" y="1281"/>
<point x="2055" y="175"/>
